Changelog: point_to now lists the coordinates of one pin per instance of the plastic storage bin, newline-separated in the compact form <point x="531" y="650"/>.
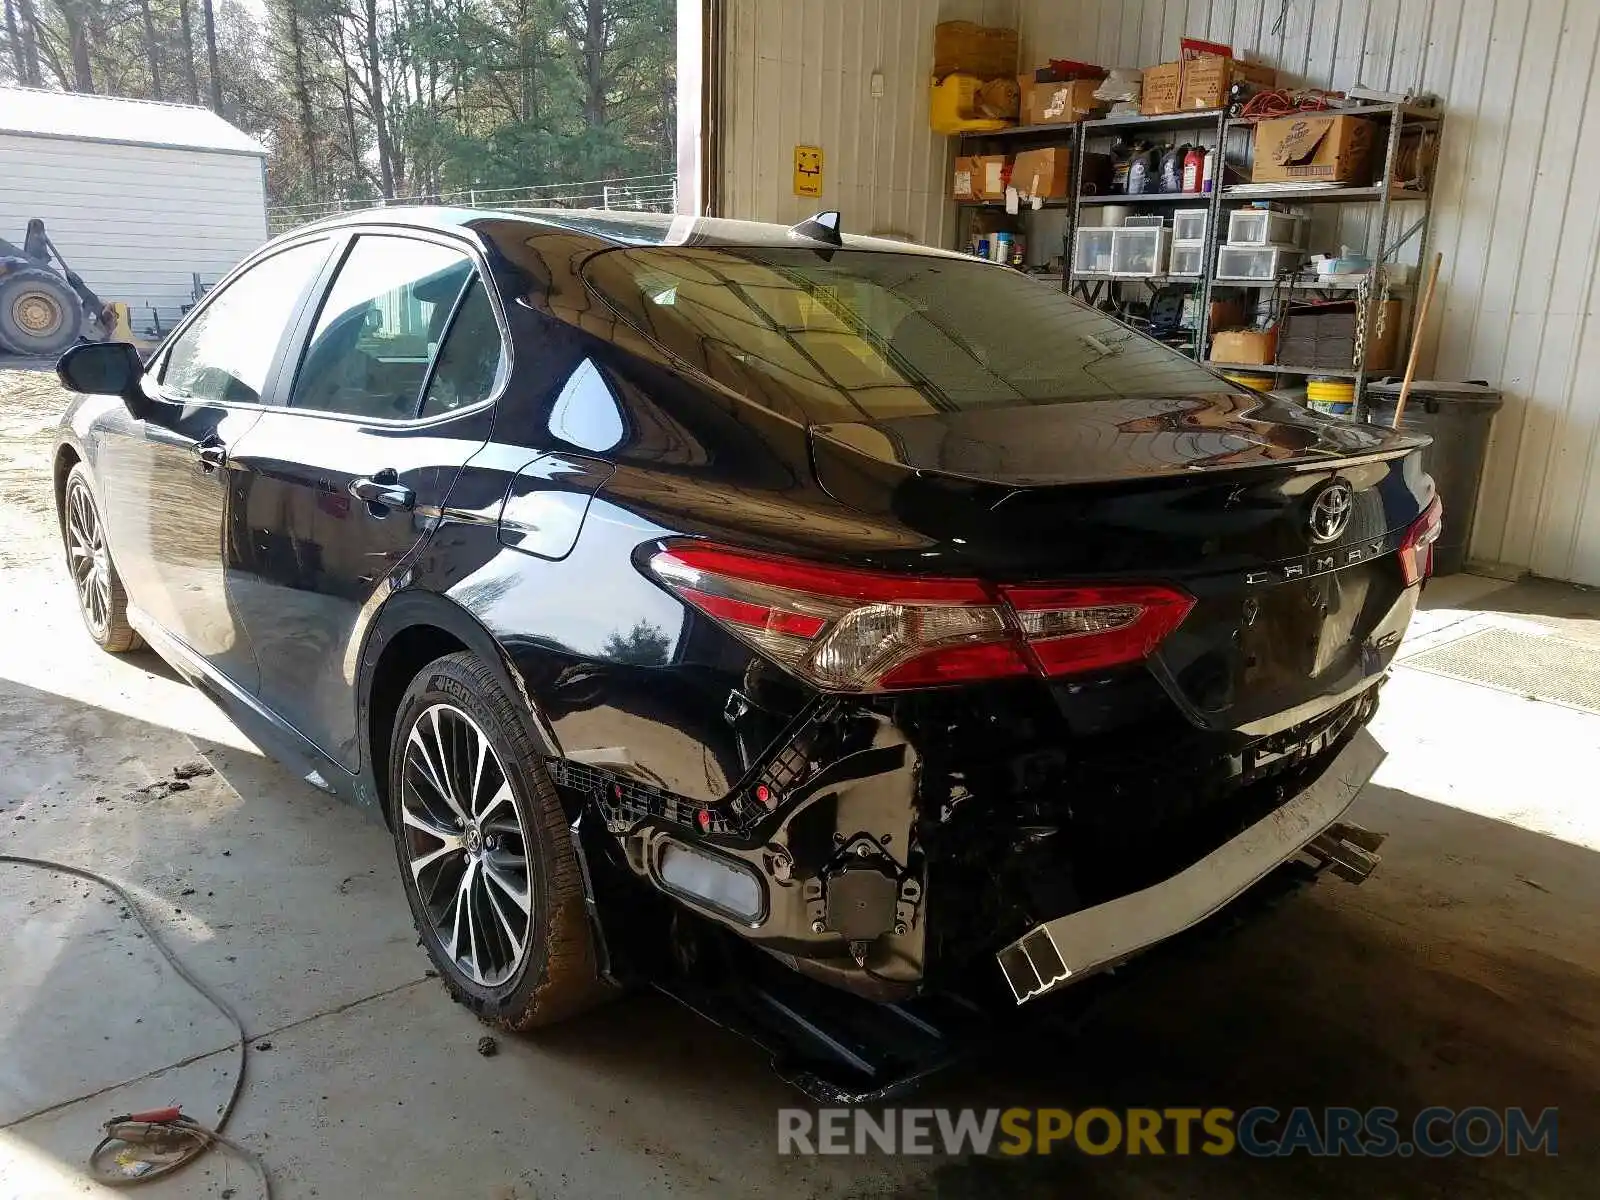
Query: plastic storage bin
<point x="1186" y="258"/>
<point x="1091" y="250"/>
<point x="1263" y="227"/>
<point x="1139" y="251"/>
<point x="1254" y="264"/>
<point x="1189" y="225"/>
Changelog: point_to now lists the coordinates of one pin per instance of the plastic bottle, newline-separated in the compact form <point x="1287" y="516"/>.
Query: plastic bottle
<point x="1193" y="168"/>
<point x="1206" y="170"/>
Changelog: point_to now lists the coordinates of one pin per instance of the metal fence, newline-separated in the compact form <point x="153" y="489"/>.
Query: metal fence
<point x="638" y="193"/>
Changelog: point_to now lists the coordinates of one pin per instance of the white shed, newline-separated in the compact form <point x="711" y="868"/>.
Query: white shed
<point x="139" y="197"/>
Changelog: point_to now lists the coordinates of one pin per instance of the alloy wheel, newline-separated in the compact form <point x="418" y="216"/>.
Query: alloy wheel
<point x="88" y="559"/>
<point x="466" y="845"/>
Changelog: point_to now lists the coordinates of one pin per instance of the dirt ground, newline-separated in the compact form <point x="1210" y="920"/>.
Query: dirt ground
<point x="1465" y="972"/>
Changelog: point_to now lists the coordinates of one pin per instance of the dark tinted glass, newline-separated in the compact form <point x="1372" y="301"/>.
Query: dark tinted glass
<point x="864" y="334"/>
<point x="379" y="327"/>
<point x="469" y="361"/>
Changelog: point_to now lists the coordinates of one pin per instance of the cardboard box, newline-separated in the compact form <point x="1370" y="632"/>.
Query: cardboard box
<point x="1161" y="90"/>
<point x="1045" y="172"/>
<point x="1056" y="103"/>
<point x="979" y="50"/>
<point x="1313" y="148"/>
<point x="964" y="178"/>
<point x="982" y="177"/>
<point x="1206" y="80"/>
<point x="1253" y="347"/>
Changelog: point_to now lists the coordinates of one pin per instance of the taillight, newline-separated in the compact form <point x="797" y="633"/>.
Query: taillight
<point x="1416" y="548"/>
<point x="848" y="630"/>
<point x="1080" y="629"/>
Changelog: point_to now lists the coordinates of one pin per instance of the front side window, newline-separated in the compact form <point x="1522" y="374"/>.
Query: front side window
<point x="380" y="327"/>
<point x="224" y="355"/>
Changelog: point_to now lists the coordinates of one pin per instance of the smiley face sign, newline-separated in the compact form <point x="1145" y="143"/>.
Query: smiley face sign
<point x="808" y="170"/>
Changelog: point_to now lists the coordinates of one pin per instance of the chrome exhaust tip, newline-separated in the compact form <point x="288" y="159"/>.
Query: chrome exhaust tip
<point x="1349" y="851"/>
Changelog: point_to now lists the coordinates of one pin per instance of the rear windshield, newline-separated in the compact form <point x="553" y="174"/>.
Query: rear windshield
<point x="871" y="335"/>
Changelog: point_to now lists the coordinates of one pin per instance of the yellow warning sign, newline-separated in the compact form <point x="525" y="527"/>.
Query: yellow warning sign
<point x="808" y="170"/>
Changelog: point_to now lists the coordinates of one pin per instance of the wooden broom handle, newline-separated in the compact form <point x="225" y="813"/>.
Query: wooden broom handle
<point x="1416" y="339"/>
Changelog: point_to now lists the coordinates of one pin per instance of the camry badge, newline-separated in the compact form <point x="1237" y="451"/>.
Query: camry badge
<point x="1330" y="511"/>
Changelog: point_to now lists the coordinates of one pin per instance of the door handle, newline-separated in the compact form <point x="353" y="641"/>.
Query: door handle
<point x="211" y="454"/>
<point x="382" y="489"/>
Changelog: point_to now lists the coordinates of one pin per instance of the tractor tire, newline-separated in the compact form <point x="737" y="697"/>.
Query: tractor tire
<point x="40" y="314"/>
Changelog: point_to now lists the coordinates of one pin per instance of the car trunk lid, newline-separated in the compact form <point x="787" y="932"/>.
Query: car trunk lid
<point x="1216" y="493"/>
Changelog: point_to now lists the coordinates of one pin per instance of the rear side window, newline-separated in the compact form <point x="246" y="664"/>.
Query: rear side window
<point x="224" y="355"/>
<point x="380" y="326"/>
<point x="470" y="360"/>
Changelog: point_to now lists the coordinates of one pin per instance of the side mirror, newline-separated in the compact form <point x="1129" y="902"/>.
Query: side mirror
<point x="106" y="369"/>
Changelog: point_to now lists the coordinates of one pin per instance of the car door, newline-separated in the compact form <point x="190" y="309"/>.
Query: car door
<point x="169" y="487"/>
<point x="393" y="393"/>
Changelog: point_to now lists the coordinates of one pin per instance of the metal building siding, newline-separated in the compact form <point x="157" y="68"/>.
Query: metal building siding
<point x="135" y="221"/>
<point x="799" y="73"/>
<point x="1517" y="212"/>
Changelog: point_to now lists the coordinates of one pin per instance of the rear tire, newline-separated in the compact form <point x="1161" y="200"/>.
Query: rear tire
<point x="40" y="314"/>
<point x="485" y="851"/>
<point x="101" y="600"/>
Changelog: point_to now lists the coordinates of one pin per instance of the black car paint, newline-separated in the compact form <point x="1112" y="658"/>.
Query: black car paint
<point x="268" y="583"/>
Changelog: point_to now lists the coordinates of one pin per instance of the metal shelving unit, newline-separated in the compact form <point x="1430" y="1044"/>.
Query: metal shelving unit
<point x="1031" y="137"/>
<point x="1215" y="128"/>
<point x="1092" y="287"/>
<point x="1386" y="191"/>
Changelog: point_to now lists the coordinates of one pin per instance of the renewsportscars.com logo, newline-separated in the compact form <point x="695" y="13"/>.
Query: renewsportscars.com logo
<point x="1259" y="1132"/>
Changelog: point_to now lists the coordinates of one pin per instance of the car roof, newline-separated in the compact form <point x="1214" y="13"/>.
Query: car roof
<point x="611" y="227"/>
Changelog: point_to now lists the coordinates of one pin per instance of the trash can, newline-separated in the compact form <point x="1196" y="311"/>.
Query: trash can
<point x="1457" y="416"/>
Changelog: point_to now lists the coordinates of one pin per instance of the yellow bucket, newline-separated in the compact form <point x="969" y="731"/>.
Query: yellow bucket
<point x="1258" y="383"/>
<point x="1333" y="396"/>
<point x="1334" y="391"/>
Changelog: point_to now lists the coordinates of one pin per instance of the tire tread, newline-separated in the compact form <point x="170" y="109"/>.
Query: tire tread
<point x="570" y="982"/>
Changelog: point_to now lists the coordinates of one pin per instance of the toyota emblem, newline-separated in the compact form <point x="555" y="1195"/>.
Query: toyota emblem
<point x="1330" y="511"/>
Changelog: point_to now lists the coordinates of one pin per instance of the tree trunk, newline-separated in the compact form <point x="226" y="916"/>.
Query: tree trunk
<point x="191" y="81"/>
<point x="78" y="44"/>
<point x="13" y="39"/>
<point x="302" y="95"/>
<point x="380" y="124"/>
<point x="150" y="50"/>
<point x="594" y="65"/>
<point x="356" y="168"/>
<point x="211" y="57"/>
<point x="28" y="73"/>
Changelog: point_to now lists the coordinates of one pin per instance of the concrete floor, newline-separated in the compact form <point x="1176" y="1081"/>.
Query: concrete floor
<point x="1465" y="972"/>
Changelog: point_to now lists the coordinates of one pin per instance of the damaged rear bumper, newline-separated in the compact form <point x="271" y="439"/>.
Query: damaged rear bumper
<point x="1061" y="951"/>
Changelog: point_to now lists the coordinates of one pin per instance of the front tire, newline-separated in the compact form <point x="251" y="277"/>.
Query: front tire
<point x="485" y="852"/>
<point x="101" y="600"/>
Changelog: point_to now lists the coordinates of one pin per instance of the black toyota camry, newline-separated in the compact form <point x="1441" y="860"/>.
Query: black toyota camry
<point x="838" y="634"/>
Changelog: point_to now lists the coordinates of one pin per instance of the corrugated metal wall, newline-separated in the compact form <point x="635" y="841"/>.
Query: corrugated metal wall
<point x="1517" y="213"/>
<point x="799" y="72"/>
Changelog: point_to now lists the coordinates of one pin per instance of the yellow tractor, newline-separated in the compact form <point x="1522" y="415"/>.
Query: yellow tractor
<point x="43" y="309"/>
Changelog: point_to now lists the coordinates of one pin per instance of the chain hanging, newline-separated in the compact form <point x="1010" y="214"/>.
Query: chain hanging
<point x="1363" y="297"/>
